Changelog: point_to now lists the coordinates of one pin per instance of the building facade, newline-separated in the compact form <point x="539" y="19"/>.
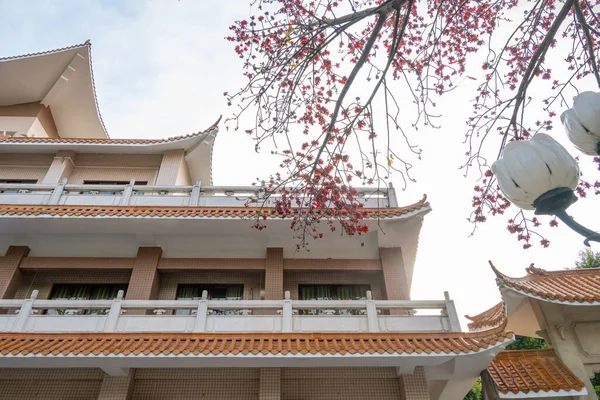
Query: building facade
<point x="126" y="274"/>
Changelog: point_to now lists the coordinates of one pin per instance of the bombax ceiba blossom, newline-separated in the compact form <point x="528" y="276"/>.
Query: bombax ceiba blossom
<point x="582" y="123"/>
<point x="531" y="168"/>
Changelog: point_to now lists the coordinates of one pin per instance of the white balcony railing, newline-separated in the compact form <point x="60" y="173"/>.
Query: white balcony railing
<point x="252" y="315"/>
<point x="143" y="195"/>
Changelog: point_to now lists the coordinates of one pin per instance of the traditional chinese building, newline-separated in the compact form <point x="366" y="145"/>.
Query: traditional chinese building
<point x="126" y="274"/>
<point x="562" y="307"/>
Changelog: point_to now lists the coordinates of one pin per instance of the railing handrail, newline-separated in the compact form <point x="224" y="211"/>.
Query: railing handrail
<point x="227" y="304"/>
<point x="157" y="188"/>
<point x="203" y="306"/>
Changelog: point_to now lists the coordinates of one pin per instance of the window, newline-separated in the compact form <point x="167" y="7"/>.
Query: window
<point x="109" y="193"/>
<point x="84" y="292"/>
<point x="332" y="292"/>
<point x="16" y="181"/>
<point x="215" y="292"/>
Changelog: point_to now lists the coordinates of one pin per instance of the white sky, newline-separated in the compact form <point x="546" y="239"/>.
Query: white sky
<point x="161" y="68"/>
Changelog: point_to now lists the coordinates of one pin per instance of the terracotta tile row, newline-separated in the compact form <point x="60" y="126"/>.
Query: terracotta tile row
<point x="493" y="317"/>
<point x="524" y="371"/>
<point x="569" y="286"/>
<point x="249" y="343"/>
<point x="179" y="212"/>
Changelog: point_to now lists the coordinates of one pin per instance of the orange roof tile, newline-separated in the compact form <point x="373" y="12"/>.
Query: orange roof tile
<point x="524" y="371"/>
<point x="493" y="317"/>
<point x="573" y="286"/>
<point x="247" y="343"/>
<point x="23" y="139"/>
<point x="178" y="212"/>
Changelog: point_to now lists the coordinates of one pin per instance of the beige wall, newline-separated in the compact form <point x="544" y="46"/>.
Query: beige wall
<point x="33" y="119"/>
<point x="24" y="166"/>
<point x="115" y="167"/>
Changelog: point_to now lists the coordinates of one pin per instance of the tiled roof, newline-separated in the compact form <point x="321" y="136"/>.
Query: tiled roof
<point x="525" y="371"/>
<point x="573" y="286"/>
<point x="43" y="53"/>
<point x="247" y="343"/>
<point x="177" y="212"/>
<point x="87" y="44"/>
<point x="105" y="141"/>
<point x="493" y="317"/>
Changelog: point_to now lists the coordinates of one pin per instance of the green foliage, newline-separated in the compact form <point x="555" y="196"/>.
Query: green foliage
<point x="596" y="383"/>
<point x="526" y="343"/>
<point x="588" y="259"/>
<point x="476" y="392"/>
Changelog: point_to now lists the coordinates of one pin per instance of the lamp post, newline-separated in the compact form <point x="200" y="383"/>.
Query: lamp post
<point x="539" y="174"/>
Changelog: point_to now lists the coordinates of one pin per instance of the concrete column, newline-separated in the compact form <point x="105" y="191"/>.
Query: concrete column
<point x="10" y="275"/>
<point x="564" y="343"/>
<point x="145" y="280"/>
<point x="169" y="167"/>
<point x="61" y="167"/>
<point x="394" y="275"/>
<point x="117" y="387"/>
<point x="274" y="274"/>
<point x="270" y="384"/>
<point x="414" y="386"/>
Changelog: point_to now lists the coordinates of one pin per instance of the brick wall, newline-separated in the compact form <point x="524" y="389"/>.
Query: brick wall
<point x="145" y="280"/>
<point x="50" y="384"/>
<point x="197" y="383"/>
<point x="170" y="167"/>
<point x="350" y="383"/>
<point x="339" y="383"/>
<point x="10" y="275"/>
<point x="274" y="274"/>
<point x="414" y="386"/>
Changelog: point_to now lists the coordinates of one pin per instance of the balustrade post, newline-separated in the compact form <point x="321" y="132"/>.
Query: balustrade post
<point x="127" y="192"/>
<point x="24" y="313"/>
<point x="288" y="322"/>
<point x="57" y="192"/>
<point x="391" y="195"/>
<point x="114" y="313"/>
<point x="372" y="322"/>
<point x="195" y="195"/>
<point x="202" y="313"/>
<point x="450" y="312"/>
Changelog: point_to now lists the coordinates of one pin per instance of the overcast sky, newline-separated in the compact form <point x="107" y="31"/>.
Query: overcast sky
<point x="161" y="68"/>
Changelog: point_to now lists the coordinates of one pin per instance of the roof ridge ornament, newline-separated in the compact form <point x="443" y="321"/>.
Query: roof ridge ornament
<point x="532" y="270"/>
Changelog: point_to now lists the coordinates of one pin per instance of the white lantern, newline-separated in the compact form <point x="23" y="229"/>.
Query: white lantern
<point x="530" y="168"/>
<point x="582" y="122"/>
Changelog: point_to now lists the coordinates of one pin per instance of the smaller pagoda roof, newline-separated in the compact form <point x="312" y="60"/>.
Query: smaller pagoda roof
<point x="520" y="374"/>
<point x="62" y="79"/>
<point x="493" y="317"/>
<point x="198" y="147"/>
<point x="579" y="287"/>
